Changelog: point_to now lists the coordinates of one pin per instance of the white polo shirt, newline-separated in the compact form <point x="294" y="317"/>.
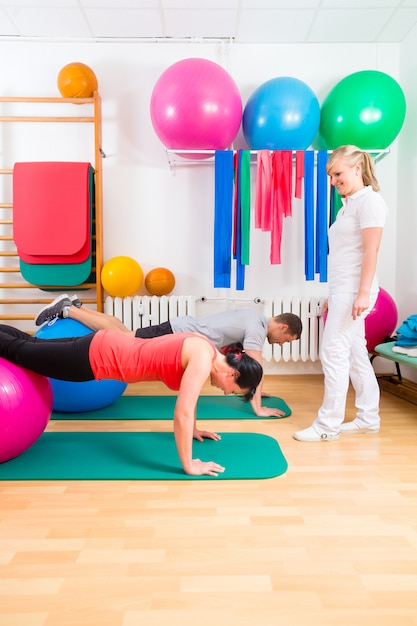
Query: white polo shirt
<point x="363" y="209"/>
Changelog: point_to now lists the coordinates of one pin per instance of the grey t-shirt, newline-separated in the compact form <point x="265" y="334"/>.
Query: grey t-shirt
<point x="244" y="325"/>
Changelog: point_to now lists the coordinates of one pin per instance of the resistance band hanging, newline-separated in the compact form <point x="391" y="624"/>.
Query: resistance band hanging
<point x="309" y="214"/>
<point x="223" y="205"/>
<point x="299" y="173"/>
<point x="281" y="199"/>
<point x="321" y="216"/>
<point x="276" y="231"/>
<point x="242" y="215"/>
<point x="263" y="217"/>
<point x="244" y="184"/>
<point x="335" y="204"/>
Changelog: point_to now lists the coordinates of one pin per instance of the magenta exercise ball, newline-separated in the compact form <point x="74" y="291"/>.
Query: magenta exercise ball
<point x="73" y="397"/>
<point x="25" y="408"/>
<point x="381" y="321"/>
<point x="196" y="105"/>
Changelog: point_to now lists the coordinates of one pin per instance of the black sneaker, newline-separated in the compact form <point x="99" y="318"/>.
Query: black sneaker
<point x="53" y="310"/>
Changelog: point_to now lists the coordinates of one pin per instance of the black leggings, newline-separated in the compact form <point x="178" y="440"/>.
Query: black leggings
<point x="63" y="358"/>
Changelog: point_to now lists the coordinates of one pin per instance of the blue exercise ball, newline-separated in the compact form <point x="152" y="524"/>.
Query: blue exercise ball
<point x="70" y="397"/>
<point x="281" y="114"/>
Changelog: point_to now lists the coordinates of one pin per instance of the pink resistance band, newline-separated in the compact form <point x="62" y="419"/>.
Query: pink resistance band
<point x="299" y="173"/>
<point x="235" y="204"/>
<point x="281" y="198"/>
<point x="263" y="215"/>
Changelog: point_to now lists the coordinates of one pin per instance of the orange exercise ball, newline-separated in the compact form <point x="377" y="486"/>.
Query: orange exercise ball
<point x="121" y="276"/>
<point x="160" y="281"/>
<point x="77" y="80"/>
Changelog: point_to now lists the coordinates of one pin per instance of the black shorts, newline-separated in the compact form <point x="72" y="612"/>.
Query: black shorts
<point x="154" y="331"/>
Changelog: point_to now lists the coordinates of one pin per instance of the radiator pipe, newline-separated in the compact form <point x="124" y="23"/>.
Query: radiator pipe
<point x="256" y="300"/>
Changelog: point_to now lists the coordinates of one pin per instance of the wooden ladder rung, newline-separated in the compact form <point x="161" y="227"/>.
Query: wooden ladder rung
<point x="17" y="317"/>
<point x="12" y="276"/>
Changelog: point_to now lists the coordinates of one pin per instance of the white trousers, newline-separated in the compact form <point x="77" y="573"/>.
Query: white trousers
<point x="344" y="355"/>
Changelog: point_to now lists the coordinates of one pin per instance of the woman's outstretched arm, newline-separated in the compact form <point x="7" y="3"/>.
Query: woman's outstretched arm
<point x="197" y="370"/>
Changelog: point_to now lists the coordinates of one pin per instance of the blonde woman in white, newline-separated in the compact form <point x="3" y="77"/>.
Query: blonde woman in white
<point x="354" y="240"/>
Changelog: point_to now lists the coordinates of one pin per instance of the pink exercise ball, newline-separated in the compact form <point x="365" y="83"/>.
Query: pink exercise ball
<point x="196" y="105"/>
<point x="381" y="321"/>
<point x="25" y="408"/>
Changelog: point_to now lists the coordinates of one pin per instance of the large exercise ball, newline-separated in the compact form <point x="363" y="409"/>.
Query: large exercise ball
<point x="121" y="276"/>
<point x="77" y="80"/>
<point x="160" y="281"/>
<point x="366" y="109"/>
<point x="381" y="321"/>
<point x="70" y="397"/>
<point x="281" y="114"/>
<point x="195" y="104"/>
<point x="25" y="408"/>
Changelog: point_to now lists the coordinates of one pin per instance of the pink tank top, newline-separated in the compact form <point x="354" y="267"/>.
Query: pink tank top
<point x="117" y="356"/>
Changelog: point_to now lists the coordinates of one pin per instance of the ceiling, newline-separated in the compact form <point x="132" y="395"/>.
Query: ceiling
<point x="244" y="21"/>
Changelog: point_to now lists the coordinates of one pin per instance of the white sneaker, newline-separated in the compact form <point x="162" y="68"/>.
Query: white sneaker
<point x="352" y="428"/>
<point x="311" y="434"/>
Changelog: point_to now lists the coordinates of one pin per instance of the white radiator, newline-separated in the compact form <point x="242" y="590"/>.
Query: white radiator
<point x="307" y="348"/>
<point x="142" y="311"/>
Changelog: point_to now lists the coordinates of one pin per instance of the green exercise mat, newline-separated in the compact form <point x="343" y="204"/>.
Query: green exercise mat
<point x="141" y="456"/>
<point x="162" y="408"/>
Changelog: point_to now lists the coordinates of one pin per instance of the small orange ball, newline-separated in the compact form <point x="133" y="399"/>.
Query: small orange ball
<point x="160" y="281"/>
<point x="77" y="80"/>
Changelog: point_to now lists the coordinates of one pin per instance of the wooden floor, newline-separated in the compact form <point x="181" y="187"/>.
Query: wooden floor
<point x="332" y="542"/>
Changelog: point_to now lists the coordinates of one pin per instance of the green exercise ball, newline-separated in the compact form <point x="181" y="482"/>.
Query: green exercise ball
<point x="366" y="109"/>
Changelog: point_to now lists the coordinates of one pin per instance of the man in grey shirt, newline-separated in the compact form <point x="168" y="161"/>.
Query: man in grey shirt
<point x="246" y="326"/>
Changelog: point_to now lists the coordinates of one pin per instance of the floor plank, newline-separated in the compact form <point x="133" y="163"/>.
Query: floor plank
<point x="332" y="541"/>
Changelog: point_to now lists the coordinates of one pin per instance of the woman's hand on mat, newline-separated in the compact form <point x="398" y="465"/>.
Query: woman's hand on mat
<point x="207" y="468"/>
<point x="266" y="411"/>
<point x="200" y="435"/>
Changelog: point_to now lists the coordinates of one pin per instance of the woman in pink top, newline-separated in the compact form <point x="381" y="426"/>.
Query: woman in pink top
<point x="182" y="361"/>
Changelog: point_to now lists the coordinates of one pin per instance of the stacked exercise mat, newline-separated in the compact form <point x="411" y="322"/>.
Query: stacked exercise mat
<point x="53" y="205"/>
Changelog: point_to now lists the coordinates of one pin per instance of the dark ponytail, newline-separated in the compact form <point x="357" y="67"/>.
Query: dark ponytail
<point x="250" y="371"/>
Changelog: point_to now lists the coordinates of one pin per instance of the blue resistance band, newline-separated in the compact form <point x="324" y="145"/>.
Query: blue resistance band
<point x="240" y="268"/>
<point x="223" y="213"/>
<point x="309" y="214"/>
<point x="321" y="216"/>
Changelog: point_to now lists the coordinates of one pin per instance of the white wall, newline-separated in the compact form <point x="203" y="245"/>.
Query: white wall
<point x="406" y="270"/>
<point x="163" y="216"/>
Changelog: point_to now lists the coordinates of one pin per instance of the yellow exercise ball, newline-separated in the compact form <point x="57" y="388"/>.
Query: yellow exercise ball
<point x="77" y="80"/>
<point x="160" y="281"/>
<point x="121" y="276"/>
